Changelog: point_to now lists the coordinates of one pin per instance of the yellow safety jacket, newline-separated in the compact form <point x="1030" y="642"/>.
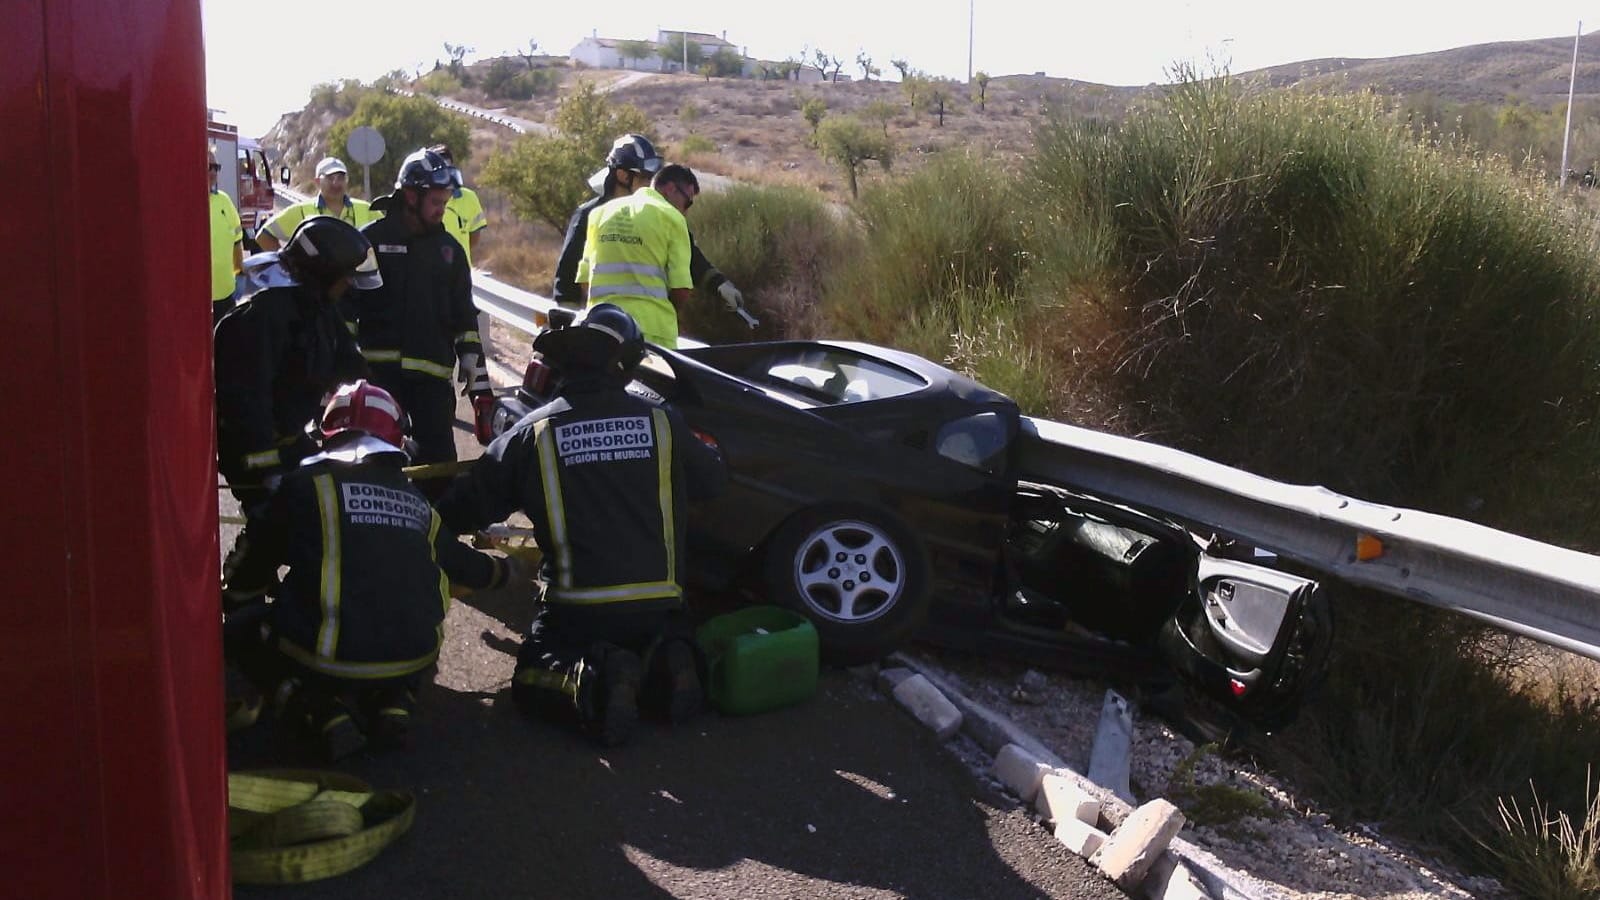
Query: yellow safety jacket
<point x="463" y="216"/>
<point x="283" y="224"/>
<point x="635" y="251"/>
<point x="226" y="231"/>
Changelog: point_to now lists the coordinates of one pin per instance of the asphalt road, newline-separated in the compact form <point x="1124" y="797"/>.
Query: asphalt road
<point x="841" y="796"/>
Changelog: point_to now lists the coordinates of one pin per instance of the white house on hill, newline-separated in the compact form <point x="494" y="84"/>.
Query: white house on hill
<point x="612" y="53"/>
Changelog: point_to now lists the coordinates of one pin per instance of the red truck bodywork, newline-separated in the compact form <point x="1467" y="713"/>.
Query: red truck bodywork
<point x="113" y="761"/>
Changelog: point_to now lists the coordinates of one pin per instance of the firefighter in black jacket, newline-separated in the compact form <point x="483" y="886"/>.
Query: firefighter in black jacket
<point x="278" y="355"/>
<point x="605" y="477"/>
<point x="358" y="618"/>
<point x="630" y="165"/>
<point x="421" y="322"/>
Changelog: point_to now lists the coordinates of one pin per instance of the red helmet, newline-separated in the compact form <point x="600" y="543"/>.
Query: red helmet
<point x="364" y="408"/>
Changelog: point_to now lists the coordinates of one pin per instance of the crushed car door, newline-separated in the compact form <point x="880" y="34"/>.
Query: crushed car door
<point x="1251" y="637"/>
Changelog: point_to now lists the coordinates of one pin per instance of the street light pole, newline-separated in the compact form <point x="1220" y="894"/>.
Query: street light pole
<point x="1571" y="87"/>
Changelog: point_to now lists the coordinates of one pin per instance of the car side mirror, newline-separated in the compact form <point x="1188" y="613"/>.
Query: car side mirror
<point x="283" y="175"/>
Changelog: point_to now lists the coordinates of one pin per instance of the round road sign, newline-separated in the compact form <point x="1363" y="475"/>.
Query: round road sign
<point x="365" y="145"/>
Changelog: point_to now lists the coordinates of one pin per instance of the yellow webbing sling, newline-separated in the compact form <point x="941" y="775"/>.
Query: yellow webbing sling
<point x="290" y="825"/>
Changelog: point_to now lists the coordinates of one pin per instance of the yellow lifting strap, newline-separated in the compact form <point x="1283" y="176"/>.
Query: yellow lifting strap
<point x="287" y="826"/>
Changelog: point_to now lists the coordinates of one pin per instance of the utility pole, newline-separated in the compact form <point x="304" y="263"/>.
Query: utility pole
<point x="686" y="51"/>
<point x="1571" y="87"/>
<point x="969" y="41"/>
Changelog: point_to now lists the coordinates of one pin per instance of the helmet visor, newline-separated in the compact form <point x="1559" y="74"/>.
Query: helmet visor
<point x="651" y="165"/>
<point x="366" y="276"/>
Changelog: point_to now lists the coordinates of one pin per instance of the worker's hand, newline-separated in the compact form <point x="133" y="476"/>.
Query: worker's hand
<point x="474" y="374"/>
<point x="272" y="481"/>
<point x="731" y="298"/>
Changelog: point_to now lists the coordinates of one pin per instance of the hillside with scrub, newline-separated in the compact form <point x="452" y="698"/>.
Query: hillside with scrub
<point x="1319" y="284"/>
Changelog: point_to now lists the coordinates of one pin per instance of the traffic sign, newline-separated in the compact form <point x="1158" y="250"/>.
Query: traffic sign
<point x="365" y="145"/>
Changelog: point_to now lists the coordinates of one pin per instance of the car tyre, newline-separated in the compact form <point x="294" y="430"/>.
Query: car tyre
<point x="857" y="573"/>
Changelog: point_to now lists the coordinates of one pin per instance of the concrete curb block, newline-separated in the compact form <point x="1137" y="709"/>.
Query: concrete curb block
<point x="1020" y="771"/>
<point x="929" y="705"/>
<point x="992" y="731"/>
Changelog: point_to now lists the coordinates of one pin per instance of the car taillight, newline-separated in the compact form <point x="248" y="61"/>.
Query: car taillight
<point x="1238" y="687"/>
<point x="536" y="378"/>
<point x="707" y="439"/>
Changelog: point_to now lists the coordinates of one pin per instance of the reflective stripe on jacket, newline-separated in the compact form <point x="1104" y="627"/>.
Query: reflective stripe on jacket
<point x="423" y="316"/>
<point x="285" y="221"/>
<point x="606" y="478"/>
<point x="277" y="355"/>
<point x="370" y="567"/>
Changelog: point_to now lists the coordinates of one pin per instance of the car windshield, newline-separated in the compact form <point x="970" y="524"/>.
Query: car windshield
<point x="831" y="375"/>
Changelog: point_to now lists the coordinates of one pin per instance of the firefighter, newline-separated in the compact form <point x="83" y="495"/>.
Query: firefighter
<point x="637" y="254"/>
<point x="343" y="646"/>
<point x="333" y="181"/>
<point x="277" y="355"/>
<point x="629" y="167"/>
<point x="227" y="246"/>
<point x="605" y="477"/>
<point x="422" y="322"/>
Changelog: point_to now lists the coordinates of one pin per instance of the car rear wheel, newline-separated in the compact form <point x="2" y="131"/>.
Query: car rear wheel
<point x="858" y="574"/>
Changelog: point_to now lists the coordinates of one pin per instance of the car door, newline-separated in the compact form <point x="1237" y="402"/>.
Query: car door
<point x="1252" y="637"/>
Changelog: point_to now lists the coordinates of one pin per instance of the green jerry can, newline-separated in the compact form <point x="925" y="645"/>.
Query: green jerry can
<point x="758" y="658"/>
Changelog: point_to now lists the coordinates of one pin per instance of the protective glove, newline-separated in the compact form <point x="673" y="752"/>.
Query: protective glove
<point x="731" y="298"/>
<point x="474" y="375"/>
<point x="272" y="481"/>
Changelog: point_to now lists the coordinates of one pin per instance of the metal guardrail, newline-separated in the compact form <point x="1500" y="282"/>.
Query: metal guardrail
<point x="1538" y="590"/>
<point x="520" y="126"/>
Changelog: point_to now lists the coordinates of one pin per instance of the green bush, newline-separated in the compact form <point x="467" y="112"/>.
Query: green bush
<point x="950" y="230"/>
<point x="439" y="83"/>
<point x="547" y="177"/>
<point x="406" y="124"/>
<point x="1292" y="283"/>
<point x="777" y="244"/>
<point x="508" y="79"/>
<point x="695" y="143"/>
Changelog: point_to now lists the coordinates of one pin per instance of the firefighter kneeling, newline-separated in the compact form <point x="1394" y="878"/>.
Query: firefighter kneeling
<point x="606" y="477"/>
<point x="358" y="619"/>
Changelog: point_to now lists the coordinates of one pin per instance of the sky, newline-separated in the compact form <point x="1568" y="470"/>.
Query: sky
<point x="262" y="61"/>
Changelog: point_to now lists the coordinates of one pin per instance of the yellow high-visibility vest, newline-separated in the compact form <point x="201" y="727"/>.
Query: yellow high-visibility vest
<point x="636" y="251"/>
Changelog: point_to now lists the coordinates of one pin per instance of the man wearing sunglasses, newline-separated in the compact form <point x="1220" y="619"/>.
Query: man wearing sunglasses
<point x="421" y="323"/>
<point x="630" y="165"/>
<point x="636" y="254"/>
<point x="227" y="248"/>
<point x="333" y="180"/>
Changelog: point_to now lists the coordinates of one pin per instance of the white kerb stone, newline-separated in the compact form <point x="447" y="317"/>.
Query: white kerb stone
<point x="1062" y="798"/>
<point x="918" y="695"/>
<point x="1111" y="757"/>
<point x="1128" y="855"/>
<point x="890" y="677"/>
<point x="1020" y="771"/>
<point x="1170" y="879"/>
<point x="1079" y="837"/>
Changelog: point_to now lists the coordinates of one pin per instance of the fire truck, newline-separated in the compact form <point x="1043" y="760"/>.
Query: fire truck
<point x="113" y="765"/>
<point x="246" y="175"/>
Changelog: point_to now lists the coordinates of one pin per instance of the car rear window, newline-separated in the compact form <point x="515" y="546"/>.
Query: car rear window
<point x="833" y="376"/>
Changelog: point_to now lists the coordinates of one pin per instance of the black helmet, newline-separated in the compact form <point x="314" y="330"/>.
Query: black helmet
<point x="426" y="169"/>
<point x="324" y="249"/>
<point x="605" y="340"/>
<point x="634" y="151"/>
